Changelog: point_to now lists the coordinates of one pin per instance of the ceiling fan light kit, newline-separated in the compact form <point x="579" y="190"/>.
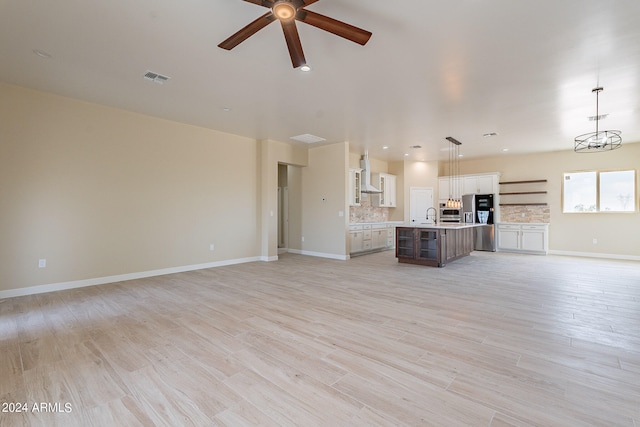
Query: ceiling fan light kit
<point x="287" y="12"/>
<point x="283" y="10"/>
<point x="600" y="140"/>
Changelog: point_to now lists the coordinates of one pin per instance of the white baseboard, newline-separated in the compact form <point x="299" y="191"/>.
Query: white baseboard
<point x="596" y="255"/>
<point x="319" y="254"/>
<point x="32" y="290"/>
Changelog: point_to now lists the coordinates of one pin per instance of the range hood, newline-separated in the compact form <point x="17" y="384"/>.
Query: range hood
<point x="366" y="186"/>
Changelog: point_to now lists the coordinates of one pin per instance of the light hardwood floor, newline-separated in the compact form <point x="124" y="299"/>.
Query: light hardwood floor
<point x="493" y="339"/>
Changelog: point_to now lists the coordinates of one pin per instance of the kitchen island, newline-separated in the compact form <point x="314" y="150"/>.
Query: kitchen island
<point x="434" y="245"/>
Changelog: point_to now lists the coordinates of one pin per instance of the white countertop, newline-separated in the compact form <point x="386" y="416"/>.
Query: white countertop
<point x="378" y="223"/>
<point x="443" y="225"/>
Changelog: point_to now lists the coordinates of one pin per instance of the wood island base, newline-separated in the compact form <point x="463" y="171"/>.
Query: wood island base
<point x="433" y="246"/>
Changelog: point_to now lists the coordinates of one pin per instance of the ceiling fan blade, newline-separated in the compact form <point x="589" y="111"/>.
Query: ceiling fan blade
<point x="247" y="31"/>
<point x="304" y="3"/>
<point x="339" y="28"/>
<point x="265" y="3"/>
<point x="293" y="43"/>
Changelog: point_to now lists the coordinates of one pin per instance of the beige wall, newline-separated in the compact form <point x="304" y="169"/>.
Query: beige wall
<point x="104" y="193"/>
<point x="294" y="178"/>
<point x="574" y="233"/>
<point x="324" y="197"/>
<point x="419" y="174"/>
<point x="100" y="192"/>
<point x="271" y="154"/>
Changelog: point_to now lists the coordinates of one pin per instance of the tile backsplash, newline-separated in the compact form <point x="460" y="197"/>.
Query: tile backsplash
<point x="366" y="212"/>
<point x="525" y="214"/>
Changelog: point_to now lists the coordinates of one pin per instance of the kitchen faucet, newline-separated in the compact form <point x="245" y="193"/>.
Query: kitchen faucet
<point x="434" y="214"/>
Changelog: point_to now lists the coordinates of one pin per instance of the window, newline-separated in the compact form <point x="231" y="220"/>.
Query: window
<point x="611" y="191"/>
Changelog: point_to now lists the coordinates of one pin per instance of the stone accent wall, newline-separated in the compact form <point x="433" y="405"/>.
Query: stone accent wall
<point x="366" y="212"/>
<point x="538" y="214"/>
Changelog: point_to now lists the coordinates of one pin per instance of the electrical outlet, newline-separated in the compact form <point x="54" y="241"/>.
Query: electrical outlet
<point x="595" y="241"/>
<point x="42" y="263"/>
<point x="303" y="238"/>
<point x="211" y="247"/>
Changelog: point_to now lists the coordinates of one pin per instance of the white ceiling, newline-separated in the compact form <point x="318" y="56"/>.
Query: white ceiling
<point x="432" y="69"/>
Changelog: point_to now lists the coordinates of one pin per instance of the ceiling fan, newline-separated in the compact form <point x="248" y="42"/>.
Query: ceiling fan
<point x="288" y="12"/>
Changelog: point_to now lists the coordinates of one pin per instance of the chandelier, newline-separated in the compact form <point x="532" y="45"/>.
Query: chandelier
<point x="600" y="140"/>
<point x="454" y="177"/>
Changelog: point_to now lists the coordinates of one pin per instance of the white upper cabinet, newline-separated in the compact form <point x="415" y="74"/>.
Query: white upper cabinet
<point x="450" y="186"/>
<point x="467" y="184"/>
<point x="355" y="181"/>
<point x="480" y="184"/>
<point x="386" y="183"/>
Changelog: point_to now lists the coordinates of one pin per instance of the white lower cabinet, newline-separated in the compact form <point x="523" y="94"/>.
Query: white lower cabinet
<point x="526" y="238"/>
<point x="379" y="236"/>
<point x="371" y="237"/>
<point x="356" y="236"/>
<point x="391" y="235"/>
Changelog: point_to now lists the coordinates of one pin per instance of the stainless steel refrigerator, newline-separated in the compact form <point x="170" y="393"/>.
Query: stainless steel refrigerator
<point x="478" y="209"/>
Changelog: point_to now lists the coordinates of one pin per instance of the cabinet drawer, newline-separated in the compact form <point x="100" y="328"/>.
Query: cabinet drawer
<point x="357" y="227"/>
<point x="534" y="227"/>
<point x="367" y="234"/>
<point x="366" y="245"/>
<point x="508" y="227"/>
<point x="366" y="227"/>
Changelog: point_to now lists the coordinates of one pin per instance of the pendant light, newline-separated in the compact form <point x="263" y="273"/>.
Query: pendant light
<point x="454" y="178"/>
<point x="600" y="140"/>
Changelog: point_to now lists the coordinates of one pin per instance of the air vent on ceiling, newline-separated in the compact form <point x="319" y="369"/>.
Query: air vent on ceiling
<point x="155" y="77"/>
<point x="600" y="117"/>
<point x="308" y="138"/>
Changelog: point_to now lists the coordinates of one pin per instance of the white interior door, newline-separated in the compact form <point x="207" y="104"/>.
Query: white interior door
<point x="421" y="199"/>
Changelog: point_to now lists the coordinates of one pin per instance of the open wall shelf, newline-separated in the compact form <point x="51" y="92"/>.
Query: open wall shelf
<point x="523" y="204"/>
<point x="533" y="192"/>
<point x="535" y="181"/>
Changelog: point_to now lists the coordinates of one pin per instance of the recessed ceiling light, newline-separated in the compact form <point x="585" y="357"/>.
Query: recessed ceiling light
<point x="305" y="68"/>
<point x="406" y="154"/>
<point x="460" y="155"/>
<point x="386" y="147"/>
<point x="42" y="53"/>
<point x="226" y="109"/>
<point x="504" y="150"/>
